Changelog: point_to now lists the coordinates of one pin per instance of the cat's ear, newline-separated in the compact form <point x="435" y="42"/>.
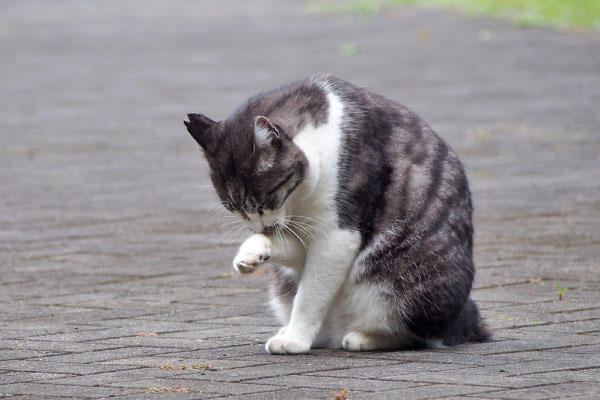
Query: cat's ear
<point x="197" y="126"/>
<point x="265" y="133"/>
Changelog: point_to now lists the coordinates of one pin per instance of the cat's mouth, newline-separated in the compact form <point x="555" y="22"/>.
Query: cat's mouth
<point x="269" y="230"/>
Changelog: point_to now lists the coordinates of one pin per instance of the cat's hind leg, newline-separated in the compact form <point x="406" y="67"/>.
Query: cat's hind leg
<point x="360" y="341"/>
<point x="284" y="287"/>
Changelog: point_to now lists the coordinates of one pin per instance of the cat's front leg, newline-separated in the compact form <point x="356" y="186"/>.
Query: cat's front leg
<point x="327" y="266"/>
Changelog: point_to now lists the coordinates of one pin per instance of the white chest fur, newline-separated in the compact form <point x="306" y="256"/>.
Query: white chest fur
<point x="321" y="146"/>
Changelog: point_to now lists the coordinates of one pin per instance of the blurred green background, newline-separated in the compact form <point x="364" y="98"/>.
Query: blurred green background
<point x="558" y="13"/>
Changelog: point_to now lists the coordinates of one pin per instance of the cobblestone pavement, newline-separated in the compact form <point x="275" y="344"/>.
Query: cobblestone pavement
<point x="115" y="277"/>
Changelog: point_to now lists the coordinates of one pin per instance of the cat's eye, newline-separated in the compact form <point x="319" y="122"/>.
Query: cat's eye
<point x="280" y="184"/>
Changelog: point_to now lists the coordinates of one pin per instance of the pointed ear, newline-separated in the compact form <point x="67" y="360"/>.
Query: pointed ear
<point x="197" y="125"/>
<point x="265" y="132"/>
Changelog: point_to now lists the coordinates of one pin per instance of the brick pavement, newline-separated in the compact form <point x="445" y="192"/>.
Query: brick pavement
<point x="114" y="276"/>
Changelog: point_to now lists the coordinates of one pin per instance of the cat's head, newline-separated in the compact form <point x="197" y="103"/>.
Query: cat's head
<point x="254" y="166"/>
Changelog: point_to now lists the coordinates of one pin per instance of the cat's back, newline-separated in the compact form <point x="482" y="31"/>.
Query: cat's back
<point x="392" y="166"/>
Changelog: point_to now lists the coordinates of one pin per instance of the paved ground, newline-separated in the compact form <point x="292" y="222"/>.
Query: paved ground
<point x="115" y="280"/>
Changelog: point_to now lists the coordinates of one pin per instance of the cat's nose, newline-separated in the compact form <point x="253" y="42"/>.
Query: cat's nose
<point x="257" y="224"/>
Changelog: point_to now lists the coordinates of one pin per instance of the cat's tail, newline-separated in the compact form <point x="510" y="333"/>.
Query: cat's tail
<point x="468" y="327"/>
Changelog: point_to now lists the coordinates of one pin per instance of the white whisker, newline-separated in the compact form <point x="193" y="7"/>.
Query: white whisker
<point x="281" y="241"/>
<point x="302" y="229"/>
<point x="228" y="236"/>
<point x="295" y="234"/>
<point x="230" y="223"/>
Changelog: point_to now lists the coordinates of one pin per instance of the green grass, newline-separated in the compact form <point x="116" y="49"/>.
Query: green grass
<point x="349" y="49"/>
<point x="560" y="290"/>
<point x="558" y="13"/>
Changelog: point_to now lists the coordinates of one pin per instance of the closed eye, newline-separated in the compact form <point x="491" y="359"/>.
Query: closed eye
<point x="280" y="184"/>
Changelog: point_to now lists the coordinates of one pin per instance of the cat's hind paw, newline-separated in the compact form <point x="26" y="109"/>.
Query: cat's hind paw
<point x="358" y="341"/>
<point x="253" y="252"/>
<point x="281" y="344"/>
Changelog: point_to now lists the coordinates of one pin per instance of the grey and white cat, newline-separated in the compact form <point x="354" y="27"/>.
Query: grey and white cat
<point x="364" y="210"/>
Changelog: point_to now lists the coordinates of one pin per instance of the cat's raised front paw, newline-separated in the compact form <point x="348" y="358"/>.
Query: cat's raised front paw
<point x="281" y="344"/>
<point x="253" y="252"/>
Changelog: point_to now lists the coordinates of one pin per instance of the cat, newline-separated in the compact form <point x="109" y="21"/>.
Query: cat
<point x="364" y="211"/>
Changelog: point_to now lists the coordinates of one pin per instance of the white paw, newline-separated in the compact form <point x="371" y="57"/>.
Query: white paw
<point x="281" y="344"/>
<point x="253" y="252"/>
<point x="358" y="341"/>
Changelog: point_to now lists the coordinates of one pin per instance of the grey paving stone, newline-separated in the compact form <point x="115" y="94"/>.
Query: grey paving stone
<point x="287" y="393"/>
<point x="177" y="344"/>
<point x="387" y="371"/>
<point x="200" y="387"/>
<point x="578" y="375"/>
<point x="585" y="326"/>
<point x="458" y="377"/>
<point x="206" y="313"/>
<point x="59" y="347"/>
<point x="322" y="358"/>
<point x="533" y="333"/>
<point x="42" y="390"/>
<point x="424" y="392"/>
<point x="110" y="354"/>
<point x="29" y="329"/>
<point x="275" y="370"/>
<point x="243" y="351"/>
<point x="74" y="368"/>
<point x="117" y="377"/>
<point x="162" y="361"/>
<point x="6" y="355"/>
<point x="532" y="343"/>
<point x="554" y="364"/>
<point x="558" y="390"/>
<point x="327" y="382"/>
<point x="90" y="335"/>
<point x="449" y="356"/>
<point x="26" y="397"/>
<point x="163" y="327"/>
<point x="261" y="319"/>
<point x="19" y="377"/>
<point x="222" y="332"/>
<point x="585" y="349"/>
